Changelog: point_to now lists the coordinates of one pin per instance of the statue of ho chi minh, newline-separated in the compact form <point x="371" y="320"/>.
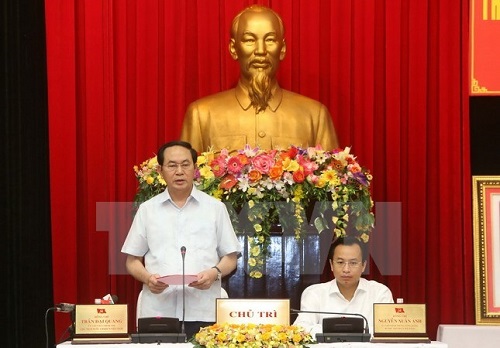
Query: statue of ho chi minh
<point x="258" y="111"/>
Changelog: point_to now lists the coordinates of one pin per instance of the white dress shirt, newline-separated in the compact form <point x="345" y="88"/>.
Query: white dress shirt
<point x="326" y="297"/>
<point x="158" y="232"/>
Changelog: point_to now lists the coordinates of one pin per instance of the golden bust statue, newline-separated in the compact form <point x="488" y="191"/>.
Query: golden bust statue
<point x="258" y="111"/>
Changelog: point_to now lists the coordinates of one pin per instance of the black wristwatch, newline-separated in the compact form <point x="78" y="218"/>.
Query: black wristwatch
<point x="219" y="272"/>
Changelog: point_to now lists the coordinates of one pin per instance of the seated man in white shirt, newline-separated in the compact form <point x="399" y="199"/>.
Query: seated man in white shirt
<point x="347" y="293"/>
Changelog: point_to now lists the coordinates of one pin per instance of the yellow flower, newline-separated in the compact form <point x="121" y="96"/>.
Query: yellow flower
<point x="255" y="251"/>
<point x="365" y="238"/>
<point x="290" y="165"/>
<point x="251" y="203"/>
<point x="201" y="160"/>
<point x="298" y="194"/>
<point x="217" y="194"/>
<point x="257" y="228"/>
<point x="251" y="262"/>
<point x="297" y="338"/>
<point x="152" y="163"/>
<point x="161" y="180"/>
<point x="266" y="336"/>
<point x="255" y="274"/>
<point x="330" y="176"/>
<point x="320" y="183"/>
<point x="206" y="172"/>
<point x="282" y="337"/>
<point x="150" y="180"/>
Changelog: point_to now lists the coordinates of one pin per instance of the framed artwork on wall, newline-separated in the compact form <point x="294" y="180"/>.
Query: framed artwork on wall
<point x="486" y="218"/>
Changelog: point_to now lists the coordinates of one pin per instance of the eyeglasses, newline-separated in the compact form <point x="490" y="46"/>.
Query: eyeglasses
<point x="172" y="166"/>
<point x="351" y="264"/>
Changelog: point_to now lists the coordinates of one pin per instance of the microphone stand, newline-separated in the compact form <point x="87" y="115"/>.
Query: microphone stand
<point x="327" y="337"/>
<point x="166" y="337"/>
<point x="183" y="253"/>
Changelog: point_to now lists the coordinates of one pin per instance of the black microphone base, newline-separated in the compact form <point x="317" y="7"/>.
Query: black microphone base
<point x="158" y="338"/>
<point x="342" y="337"/>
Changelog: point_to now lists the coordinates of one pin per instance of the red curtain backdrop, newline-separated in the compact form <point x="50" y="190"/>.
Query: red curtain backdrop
<point x="392" y="73"/>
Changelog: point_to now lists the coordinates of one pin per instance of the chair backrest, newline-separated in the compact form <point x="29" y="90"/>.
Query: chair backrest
<point x="138" y="310"/>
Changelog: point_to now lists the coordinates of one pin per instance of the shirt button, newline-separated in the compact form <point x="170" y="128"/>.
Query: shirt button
<point x="262" y="134"/>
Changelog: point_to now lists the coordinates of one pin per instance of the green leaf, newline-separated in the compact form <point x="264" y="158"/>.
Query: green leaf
<point x="320" y="224"/>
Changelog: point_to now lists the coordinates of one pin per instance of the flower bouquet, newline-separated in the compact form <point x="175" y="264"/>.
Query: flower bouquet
<point x="265" y="187"/>
<point x="251" y="335"/>
<point x="151" y="182"/>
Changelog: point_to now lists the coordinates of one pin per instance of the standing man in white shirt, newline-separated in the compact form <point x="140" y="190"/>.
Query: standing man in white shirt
<point x="347" y="292"/>
<point x="181" y="216"/>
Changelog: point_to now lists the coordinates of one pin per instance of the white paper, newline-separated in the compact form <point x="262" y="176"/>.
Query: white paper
<point x="176" y="279"/>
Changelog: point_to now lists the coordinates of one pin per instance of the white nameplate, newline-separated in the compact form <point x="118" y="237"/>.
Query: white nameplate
<point x="255" y="311"/>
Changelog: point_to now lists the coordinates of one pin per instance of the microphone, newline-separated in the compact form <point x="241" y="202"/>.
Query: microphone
<point x="65" y="307"/>
<point x="183" y="253"/>
<point x="367" y="329"/>
<point x="340" y="337"/>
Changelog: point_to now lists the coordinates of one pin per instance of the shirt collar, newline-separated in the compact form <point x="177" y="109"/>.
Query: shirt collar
<point x="362" y="286"/>
<point x="195" y="194"/>
<point x="241" y="94"/>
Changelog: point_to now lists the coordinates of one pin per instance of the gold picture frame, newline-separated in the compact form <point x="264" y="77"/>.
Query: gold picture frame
<point x="486" y="219"/>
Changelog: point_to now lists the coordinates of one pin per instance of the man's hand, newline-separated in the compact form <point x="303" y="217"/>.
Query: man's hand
<point x="135" y="266"/>
<point x="205" y="279"/>
<point x="155" y="286"/>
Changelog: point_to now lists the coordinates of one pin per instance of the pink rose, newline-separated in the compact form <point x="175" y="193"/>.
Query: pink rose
<point x="263" y="163"/>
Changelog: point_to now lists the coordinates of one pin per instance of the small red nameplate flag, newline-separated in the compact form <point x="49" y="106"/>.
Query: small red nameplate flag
<point x="484" y="48"/>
